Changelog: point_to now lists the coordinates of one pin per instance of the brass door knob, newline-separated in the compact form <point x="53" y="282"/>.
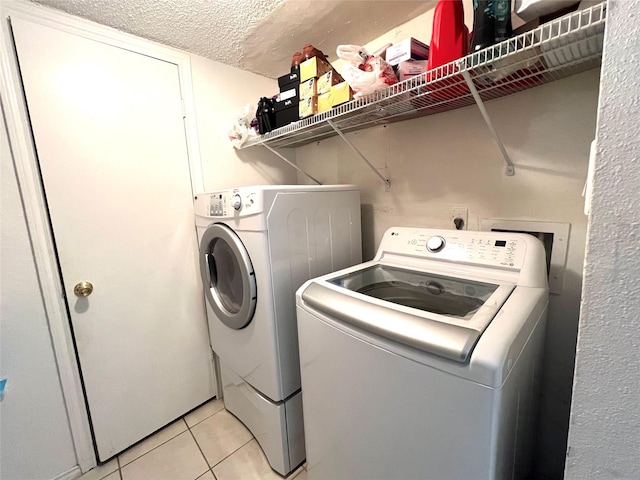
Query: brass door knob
<point x="83" y="289"/>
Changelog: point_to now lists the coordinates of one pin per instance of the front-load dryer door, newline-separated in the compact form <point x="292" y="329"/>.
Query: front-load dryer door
<point x="227" y="275"/>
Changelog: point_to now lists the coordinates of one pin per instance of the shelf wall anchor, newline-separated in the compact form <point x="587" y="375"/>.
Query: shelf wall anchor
<point x="386" y="181"/>
<point x="509" y="168"/>
<point x="290" y="163"/>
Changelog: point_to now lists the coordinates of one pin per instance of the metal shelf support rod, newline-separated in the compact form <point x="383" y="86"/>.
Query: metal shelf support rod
<point x="292" y="164"/>
<point x="386" y="181"/>
<point x="509" y="168"/>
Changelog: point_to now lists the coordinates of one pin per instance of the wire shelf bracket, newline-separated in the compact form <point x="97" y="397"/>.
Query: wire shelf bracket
<point x="386" y="181"/>
<point x="509" y="168"/>
<point x="278" y="154"/>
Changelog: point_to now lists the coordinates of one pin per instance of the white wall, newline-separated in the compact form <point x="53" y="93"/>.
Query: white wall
<point x="604" y="437"/>
<point x="448" y="160"/>
<point x="221" y="93"/>
<point x="35" y="439"/>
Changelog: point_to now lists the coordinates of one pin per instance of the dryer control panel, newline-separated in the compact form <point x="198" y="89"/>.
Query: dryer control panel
<point x="230" y="203"/>
<point x="218" y="204"/>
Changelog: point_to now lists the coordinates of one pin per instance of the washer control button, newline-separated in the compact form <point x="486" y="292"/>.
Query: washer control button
<point x="435" y="244"/>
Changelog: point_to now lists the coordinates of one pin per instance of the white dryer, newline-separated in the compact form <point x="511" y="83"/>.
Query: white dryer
<point x="424" y="362"/>
<point x="257" y="246"/>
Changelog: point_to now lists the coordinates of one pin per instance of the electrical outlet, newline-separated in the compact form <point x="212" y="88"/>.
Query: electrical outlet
<point x="461" y="213"/>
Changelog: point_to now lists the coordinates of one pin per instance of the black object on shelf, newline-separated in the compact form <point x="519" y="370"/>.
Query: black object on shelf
<point x="484" y="25"/>
<point x="287" y="115"/>
<point x="491" y="23"/>
<point x="288" y="79"/>
<point x="266" y="115"/>
<point x="502" y="13"/>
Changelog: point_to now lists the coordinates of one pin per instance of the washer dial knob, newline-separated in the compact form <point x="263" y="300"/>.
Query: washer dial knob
<point x="435" y="244"/>
<point x="236" y="201"/>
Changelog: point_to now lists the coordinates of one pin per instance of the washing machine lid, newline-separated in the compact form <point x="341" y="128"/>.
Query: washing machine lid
<point x="436" y="313"/>
<point x="227" y="276"/>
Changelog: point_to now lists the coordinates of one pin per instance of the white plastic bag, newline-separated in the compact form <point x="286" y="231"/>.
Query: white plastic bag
<point x="353" y="54"/>
<point x="240" y="131"/>
<point x="365" y="73"/>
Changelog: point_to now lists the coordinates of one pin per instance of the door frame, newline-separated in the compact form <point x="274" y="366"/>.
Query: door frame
<point x="27" y="171"/>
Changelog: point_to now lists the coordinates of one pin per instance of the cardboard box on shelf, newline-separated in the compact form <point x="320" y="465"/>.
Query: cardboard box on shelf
<point x="313" y="68"/>
<point x="407" y="49"/>
<point x="325" y="101"/>
<point x="308" y="88"/>
<point x="327" y="80"/>
<point x="308" y="107"/>
<point x="341" y="93"/>
<point x="411" y="68"/>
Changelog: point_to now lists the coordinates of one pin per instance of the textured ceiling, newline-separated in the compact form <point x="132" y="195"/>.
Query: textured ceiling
<point x="256" y="35"/>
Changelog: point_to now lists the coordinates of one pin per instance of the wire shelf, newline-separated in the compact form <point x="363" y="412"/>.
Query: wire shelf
<point x="563" y="47"/>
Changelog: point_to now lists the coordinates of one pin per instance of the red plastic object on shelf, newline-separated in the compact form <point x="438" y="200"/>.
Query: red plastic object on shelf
<point x="450" y="36"/>
<point x="449" y="42"/>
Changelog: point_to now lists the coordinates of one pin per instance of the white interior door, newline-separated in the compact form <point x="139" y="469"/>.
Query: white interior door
<point x="110" y="138"/>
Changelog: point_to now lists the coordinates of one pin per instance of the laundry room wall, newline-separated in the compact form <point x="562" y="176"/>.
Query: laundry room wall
<point x="449" y="160"/>
<point x="221" y="93"/>
<point x="604" y="436"/>
<point x="34" y="429"/>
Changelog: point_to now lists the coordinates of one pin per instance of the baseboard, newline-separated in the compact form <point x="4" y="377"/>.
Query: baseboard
<point x="70" y="474"/>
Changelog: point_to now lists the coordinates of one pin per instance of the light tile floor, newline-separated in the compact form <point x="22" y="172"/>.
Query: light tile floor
<point x="206" y="444"/>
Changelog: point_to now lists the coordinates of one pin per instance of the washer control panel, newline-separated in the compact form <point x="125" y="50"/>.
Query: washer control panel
<point x="483" y="248"/>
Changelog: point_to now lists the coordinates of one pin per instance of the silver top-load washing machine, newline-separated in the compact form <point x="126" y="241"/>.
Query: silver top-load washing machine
<point x="257" y="246"/>
<point x="423" y="363"/>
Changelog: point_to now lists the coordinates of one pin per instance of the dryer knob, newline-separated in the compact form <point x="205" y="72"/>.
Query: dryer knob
<point x="236" y="201"/>
<point x="435" y="244"/>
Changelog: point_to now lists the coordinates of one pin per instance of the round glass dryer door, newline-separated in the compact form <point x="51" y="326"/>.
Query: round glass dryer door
<point x="228" y="277"/>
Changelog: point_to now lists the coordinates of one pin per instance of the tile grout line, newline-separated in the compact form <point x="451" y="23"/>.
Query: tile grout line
<point x="111" y="473"/>
<point x="199" y="422"/>
<point x="223" y="459"/>
<point x="188" y="428"/>
<point x="243" y="445"/>
<point x="157" y="446"/>
<point x="119" y="467"/>
<point x="201" y="452"/>
<point x="196" y="440"/>
<point x="200" y="448"/>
